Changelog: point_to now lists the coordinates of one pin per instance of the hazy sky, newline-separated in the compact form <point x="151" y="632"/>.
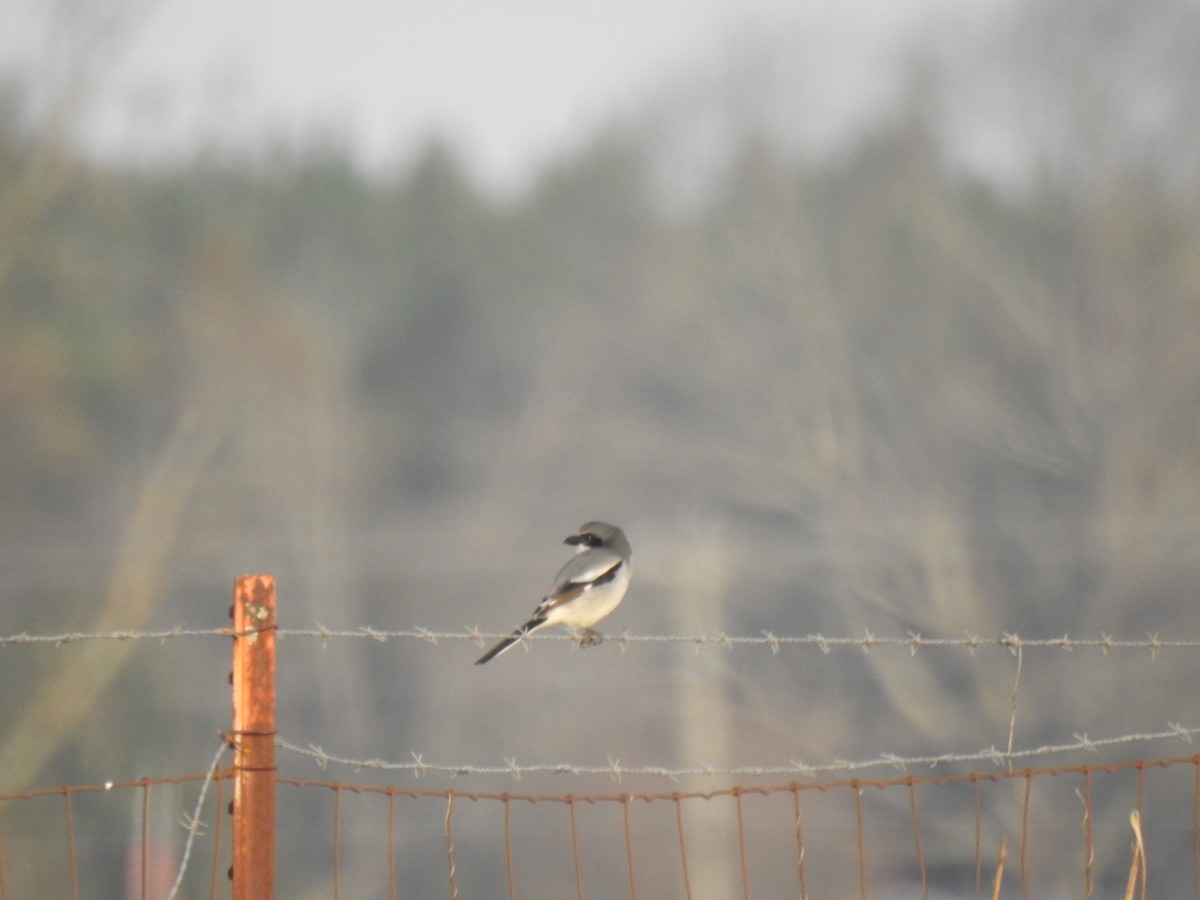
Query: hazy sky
<point x="509" y="83"/>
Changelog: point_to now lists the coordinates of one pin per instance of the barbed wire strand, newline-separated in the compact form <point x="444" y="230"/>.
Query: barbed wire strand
<point x="614" y="769"/>
<point x="793" y="787"/>
<point x="193" y="823"/>
<point x="913" y="640"/>
<point x="70" y="637"/>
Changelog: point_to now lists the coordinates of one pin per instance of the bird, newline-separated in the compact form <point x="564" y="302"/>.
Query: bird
<point x="585" y="590"/>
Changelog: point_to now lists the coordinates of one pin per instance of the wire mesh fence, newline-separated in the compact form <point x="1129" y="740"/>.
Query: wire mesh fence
<point x="909" y="836"/>
<point x="885" y="838"/>
<point x="1042" y="822"/>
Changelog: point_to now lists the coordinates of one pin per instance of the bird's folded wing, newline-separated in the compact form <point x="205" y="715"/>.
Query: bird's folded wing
<point x="581" y="574"/>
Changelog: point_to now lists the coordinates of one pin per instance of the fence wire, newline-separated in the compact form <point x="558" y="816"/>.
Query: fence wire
<point x="1004" y="831"/>
<point x="418" y="767"/>
<point x="913" y="641"/>
<point x="976" y="834"/>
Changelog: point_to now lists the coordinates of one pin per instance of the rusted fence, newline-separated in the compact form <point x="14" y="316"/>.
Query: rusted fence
<point x="1127" y="829"/>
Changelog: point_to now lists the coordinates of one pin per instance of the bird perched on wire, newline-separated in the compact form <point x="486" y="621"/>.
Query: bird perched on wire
<point x="585" y="590"/>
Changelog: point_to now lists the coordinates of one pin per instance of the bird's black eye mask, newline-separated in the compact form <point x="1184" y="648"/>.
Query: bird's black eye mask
<point x="588" y="540"/>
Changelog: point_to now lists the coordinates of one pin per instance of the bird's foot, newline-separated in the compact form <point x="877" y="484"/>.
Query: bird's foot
<point x="588" y="638"/>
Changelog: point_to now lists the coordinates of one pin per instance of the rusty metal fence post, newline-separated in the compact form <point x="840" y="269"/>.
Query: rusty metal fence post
<point x="253" y="738"/>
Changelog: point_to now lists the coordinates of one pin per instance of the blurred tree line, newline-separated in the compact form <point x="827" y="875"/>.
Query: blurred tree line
<point x="885" y="289"/>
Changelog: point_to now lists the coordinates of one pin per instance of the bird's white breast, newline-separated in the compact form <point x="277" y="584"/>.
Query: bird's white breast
<point x="593" y="604"/>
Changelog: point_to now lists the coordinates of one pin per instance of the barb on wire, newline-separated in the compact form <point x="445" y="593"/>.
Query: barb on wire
<point x="1000" y="758"/>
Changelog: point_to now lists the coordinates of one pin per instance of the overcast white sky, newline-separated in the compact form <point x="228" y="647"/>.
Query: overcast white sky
<point x="508" y="83"/>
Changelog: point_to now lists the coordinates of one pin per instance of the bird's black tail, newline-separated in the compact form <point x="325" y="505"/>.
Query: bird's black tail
<point x="525" y="629"/>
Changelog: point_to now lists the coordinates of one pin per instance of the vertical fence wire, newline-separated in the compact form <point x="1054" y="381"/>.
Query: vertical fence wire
<point x="337" y="840"/>
<point x="3" y="889"/>
<point x="1141" y="791"/>
<point x="1196" y="830"/>
<point x="1024" y="869"/>
<point x="687" y="881"/>
<point x="450" y="866"/>
<point x="508" y="852"/>
<point x="575" y="848"/>
<point x="72" y="867"/>
<point x="629" y="848"/>
<point x="391" y="841"/>
<point x="741" y="834"/>
<point x="799" y="829"/>
<point x="144" y="851"/>
<point x="916" y="820"/>
<point x="862" y="839"/>
<point x="978" y="792"/>
<point x="1089" y="852"/>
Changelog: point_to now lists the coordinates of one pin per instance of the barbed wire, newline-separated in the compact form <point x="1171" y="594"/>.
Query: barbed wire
<point x="70" y="637"/>
<point x="193" y="823"/>
<point x="912" y="640"/>
<point x="739" y="790"/>
<point x="616" y="770"/>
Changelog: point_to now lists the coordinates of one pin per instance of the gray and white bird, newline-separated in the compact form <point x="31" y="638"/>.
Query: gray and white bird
<point x="585" y="590"/>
